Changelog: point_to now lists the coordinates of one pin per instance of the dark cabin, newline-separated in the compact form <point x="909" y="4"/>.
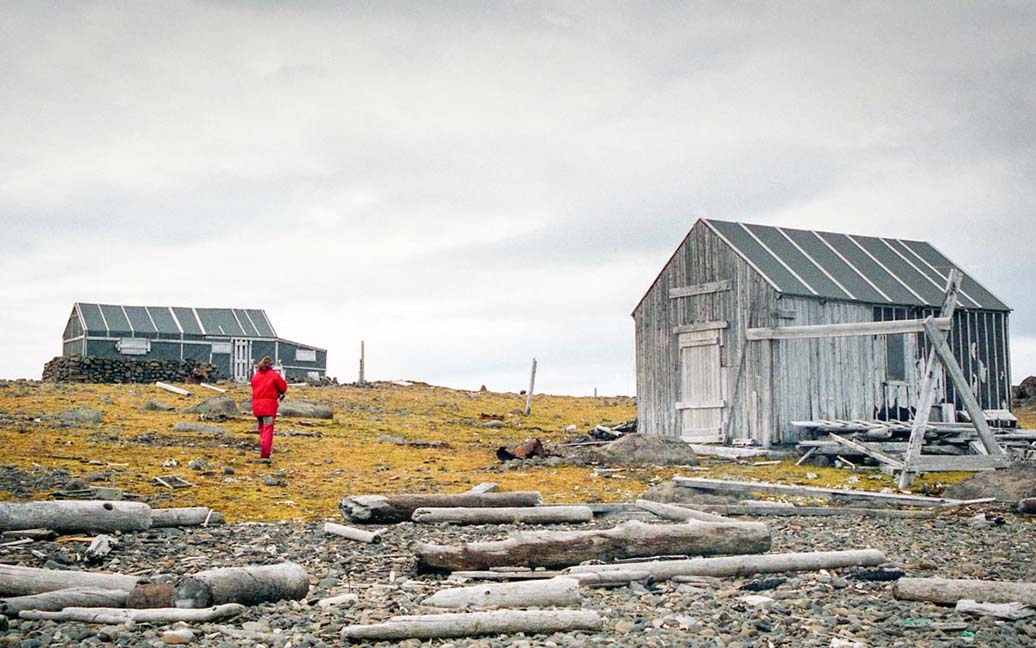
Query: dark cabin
<point x="700" y="379"/>
<point x="233" y="339"/>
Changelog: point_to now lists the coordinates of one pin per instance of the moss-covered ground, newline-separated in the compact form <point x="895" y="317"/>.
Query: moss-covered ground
<point x="131" y="446"/>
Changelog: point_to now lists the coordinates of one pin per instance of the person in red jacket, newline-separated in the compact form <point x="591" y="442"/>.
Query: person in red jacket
<point x="267" y="389"/>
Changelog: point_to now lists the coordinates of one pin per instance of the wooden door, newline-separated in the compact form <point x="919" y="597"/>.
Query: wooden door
<point x="241" y="360"/>
<point x="701" y="403"/>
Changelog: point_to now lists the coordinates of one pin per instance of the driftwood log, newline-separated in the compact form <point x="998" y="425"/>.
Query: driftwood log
<point x="562" y="548"/>
<point x="554" y="592"/>
<point x="740" y="565"/>
<point x="23" y="581"/>
<point x="76" y="515"/>
<point x="678" y="513"/>
<point x="189" y="516"/>
<point x="350" y="533"/>
<point x="115" y="616"/>
<point x="389" y="509"/>
<point x="1011" y="611"/>
<point x="150" y="595"/>
<point x="948" y="591"/>
<point x="60" y="599"/>
<point x="433" y="626"/>
<point x="505" y="515"/>
<point x="246" y="585"/>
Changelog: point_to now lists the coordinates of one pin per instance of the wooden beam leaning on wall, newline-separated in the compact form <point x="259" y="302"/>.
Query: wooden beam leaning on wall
<point x="844" y="330"/>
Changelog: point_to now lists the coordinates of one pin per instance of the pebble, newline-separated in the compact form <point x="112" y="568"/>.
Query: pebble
<point x="177" y="637"/>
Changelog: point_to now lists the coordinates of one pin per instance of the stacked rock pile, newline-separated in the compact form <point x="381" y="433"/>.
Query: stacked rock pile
<point x="85" y="369"/>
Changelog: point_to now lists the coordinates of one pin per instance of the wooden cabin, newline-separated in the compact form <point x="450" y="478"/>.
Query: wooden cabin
<point x="701" y="378"/>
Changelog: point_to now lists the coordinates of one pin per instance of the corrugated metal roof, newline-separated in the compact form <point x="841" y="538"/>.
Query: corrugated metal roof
<point x="115" y="320"/>
<point x="849" y="267"/>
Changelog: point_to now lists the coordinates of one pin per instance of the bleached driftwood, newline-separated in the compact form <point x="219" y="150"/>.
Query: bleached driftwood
<point x="555" y="592"/>
<point x="22" y="581"/>
<point x="484" y="487"/>
<point x="505" y="515"/>
<point x="389" y="509"/>
<point x="503" y="574"/>
<point x="60" y="599"/>
<point x="332" y="601"/>
<point x="172" y="389"/>
<point x="188" y="516"/>
<point x="678" y="513"/>
<point x="246" y="585"/>
<point x="115" y="616"/>
<point x="611" y="578"/>
<point x="948" y="591"/>
<point x="358" y="535"/>
<point x="1011" y="611"/>
<point x="76" y="515"/>
<point x="741" y="565"/>
<point x="756" y="510"/>
<point x="886" y="499"/>
<point x="431" y="626"/>
<point x="629" y="540"/>
<point x="31" y="534"/>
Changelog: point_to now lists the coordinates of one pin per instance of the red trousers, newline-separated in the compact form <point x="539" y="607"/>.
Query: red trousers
<point x="265" y="436"/>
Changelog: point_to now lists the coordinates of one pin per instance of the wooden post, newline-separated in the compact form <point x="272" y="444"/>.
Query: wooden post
<point x="927" y="396"/>
<point x="532" y="384"/>
<point x="361" y="381"/>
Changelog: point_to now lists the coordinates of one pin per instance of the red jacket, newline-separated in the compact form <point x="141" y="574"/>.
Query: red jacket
<point x="267" y="386"/>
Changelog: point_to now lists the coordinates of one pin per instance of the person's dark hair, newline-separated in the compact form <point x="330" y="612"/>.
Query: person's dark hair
<point x="265" y="363"/>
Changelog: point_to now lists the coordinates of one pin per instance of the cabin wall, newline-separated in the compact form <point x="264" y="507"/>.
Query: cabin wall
<point x="832" y="377"/>
<point x="749" y="302"/>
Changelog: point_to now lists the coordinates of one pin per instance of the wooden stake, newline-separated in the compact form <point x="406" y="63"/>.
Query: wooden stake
<point x="532" y="384"/>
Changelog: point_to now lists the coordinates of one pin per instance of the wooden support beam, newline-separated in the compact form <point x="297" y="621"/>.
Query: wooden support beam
<point x="842" y="330"/>
<point x="978" y="417"/>
<point x="699" y="289"/>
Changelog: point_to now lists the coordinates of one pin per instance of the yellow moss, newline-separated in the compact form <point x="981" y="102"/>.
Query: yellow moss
<point x="347" y="459"/>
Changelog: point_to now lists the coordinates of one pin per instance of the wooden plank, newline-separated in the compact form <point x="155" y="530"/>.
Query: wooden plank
<point x="680" y="405"/>
<point x="810" y="491"/>
<point x="699" y="289"/>
<point x="870" y="452"/>
<point x="842" y="330"/>
<point x="955" y="463"/>
<point x="809" y="511"/>
<point x="978" y="417"/>
<point x="687" y="344"/>
<point x="700" y="326"/>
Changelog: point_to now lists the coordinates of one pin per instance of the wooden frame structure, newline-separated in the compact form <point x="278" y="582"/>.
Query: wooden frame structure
<point x="935" y="329"/>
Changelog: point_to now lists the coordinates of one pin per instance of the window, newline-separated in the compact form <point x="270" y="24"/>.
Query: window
<point x="133" y="346"/>
<point x="221" y="347"/>
<point x="305" y="355"/>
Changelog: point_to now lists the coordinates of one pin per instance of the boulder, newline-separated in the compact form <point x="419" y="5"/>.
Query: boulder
<point x="198" y="428"/>
<point x="642" y="450"/>
<point x="81" y="415"/>
<point x="155" y="406"/>
<point x="1010" y="484"/>
<point x="1026" y="390"/>
<point x="217" y="405"/>
<point x="301" y="409"/>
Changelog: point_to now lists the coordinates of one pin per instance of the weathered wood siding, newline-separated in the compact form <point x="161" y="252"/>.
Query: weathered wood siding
<point x="830" y="378"/>
<point x="700" y="259"/>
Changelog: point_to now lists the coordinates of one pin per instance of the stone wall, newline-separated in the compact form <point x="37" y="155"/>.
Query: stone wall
<point x="84" y="369"/>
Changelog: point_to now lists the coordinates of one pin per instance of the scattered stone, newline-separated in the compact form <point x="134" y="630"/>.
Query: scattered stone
<point x="198" y="464"/>
<point x="1013" y="483"/>
<point x="177" y="637"/>
<point x="198" y="428"/>
<point x="216" y="405"/>
<point x="81" y="415"/>
<point x="155" y="406"/>
<point x="641" y="450"/>
<point x="301" y="409"/>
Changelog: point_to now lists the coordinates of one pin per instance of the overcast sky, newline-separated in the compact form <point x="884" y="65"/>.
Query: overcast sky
<point x="467" y="185"/>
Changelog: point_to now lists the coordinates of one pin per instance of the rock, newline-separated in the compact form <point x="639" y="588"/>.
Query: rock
<point x="493" y="425"/>
<point x="197" y="464"/>
<point x="177" y="637"/>
<point x="1012" y="483"/>
<point x="1026" y="390"/>
<point x="672" y="493"/>
<point x="272" y="480"/>
<point x="81" y="415"/>
<point x="216" y="405"/>
<point x="227" y="470"/>
<point x="198" y="428"/>
<point x="301" y="409"/>
<point x="155" y="406"/>
<point x="642" y="450"/>
<point x="569" y="429"/>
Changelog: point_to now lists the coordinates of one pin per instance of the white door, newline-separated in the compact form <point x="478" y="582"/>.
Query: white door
<point x="241" y="360"/>
<point x="701" y="403"/>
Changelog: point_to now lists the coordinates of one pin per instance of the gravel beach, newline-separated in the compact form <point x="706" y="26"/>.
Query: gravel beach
<point x="808" y="609"/>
